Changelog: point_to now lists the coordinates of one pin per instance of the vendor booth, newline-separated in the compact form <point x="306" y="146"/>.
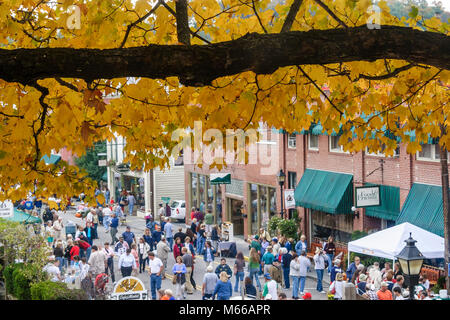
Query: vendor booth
<point x="389" y="242"/>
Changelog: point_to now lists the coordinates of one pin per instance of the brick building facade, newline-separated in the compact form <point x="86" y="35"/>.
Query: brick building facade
<point x="297" y="153"/>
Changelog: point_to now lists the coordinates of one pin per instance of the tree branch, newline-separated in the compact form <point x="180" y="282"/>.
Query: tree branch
<point x="293" y="10"/>
<point x="331" y="13"/>
<point x="260" y="53"/>
<point x="132" y="25"/>
<point x="181" y="14"/>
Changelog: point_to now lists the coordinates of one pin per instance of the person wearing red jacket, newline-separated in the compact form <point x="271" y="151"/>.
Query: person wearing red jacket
<point x="177" y="248"/>
<point x="85" y="249"/>
<point x="75" y="251"/>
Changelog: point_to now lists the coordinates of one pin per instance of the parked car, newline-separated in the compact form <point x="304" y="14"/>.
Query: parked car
<point x="178" y="210"/>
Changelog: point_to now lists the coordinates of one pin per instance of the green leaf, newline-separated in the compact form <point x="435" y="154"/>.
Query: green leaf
<point x="414" y="12"/>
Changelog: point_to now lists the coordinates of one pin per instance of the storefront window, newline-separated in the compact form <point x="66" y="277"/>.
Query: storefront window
<point x="263" y="205"/>
<point x="201" y="191"/>
<point x="272" y="202"/>
<point x="219" y="205"/>
<point x="254" y="207"/>
<point x="210" y="195"/>
<point x="339" y="226"/>
<point x="194" y="192"/>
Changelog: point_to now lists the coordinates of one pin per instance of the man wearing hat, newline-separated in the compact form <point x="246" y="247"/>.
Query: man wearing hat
<point x="335" y="269"/>
<point x="361" y="286"/>
<point x="256" y="244"/>
<point x="384" y="293"/>
<point x="270" y="288"/>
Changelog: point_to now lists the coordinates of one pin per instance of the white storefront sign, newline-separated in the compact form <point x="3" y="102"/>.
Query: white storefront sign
<point x="367" y="196"/>
<point x="6" y="209"/>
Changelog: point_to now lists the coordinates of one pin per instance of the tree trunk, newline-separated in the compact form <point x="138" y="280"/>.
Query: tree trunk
<point x="198" y="65"/>
<point x="445" y="208"/>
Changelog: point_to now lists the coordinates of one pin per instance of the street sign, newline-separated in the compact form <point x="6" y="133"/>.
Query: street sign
<point x="289" y="200"/>
<point x="220" y="178"/>
<point x="6" y="209"/>
<point x="129" y="288"/>
<point x="165" y="199"/>
<point x="367" y="196"/>
<point x="102" y="163"/>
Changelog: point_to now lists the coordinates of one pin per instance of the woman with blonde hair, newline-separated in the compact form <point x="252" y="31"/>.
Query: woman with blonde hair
<point x="337" y="287"/>
<point x="253" y="266"/>
<point x="223" y="289"/>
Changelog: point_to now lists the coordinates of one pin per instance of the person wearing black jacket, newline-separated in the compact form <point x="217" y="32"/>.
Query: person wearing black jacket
<point x="224" y="267"/>
<point x="286" y="259"/>
<point x="47" y="216"/>
<point x="180" y="234"/>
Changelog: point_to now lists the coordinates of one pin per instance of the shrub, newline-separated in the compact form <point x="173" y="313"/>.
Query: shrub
<point x="288" y="228"/>
<point x="440" y="284"/>
<point x="49" y="290"/>
<point x="23" y="277"/>
<point x="8" y="276"/>
<point x="273" y="224"/>
<point x="21" y="285"/>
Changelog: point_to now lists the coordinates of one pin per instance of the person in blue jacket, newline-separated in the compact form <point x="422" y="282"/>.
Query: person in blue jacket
<point x="156" y="235"/>
<point x="352" y="268"/>
<point x="301" y="245"/>
<point x="208" y="252"/>
<point x="223" y="289"/>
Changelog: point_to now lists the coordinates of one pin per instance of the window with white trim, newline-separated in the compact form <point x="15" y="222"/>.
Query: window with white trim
<point x="381" y="152"/>
<point x="292" y="141"/>
<point x="430" y="152"/>
<point x="335" y="146"/>
<point x="313" y="142"/>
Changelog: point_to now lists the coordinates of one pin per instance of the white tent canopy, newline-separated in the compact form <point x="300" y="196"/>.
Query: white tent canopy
<point x="389" y="242"/>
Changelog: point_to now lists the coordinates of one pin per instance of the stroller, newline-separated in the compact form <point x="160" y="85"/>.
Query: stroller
<point x="100" y="285"/>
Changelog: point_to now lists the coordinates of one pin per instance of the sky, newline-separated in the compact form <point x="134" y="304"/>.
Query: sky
<point x="445" y="4"/>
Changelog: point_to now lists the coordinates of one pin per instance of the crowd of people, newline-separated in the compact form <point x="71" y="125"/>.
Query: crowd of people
<point x="280" y="262"/>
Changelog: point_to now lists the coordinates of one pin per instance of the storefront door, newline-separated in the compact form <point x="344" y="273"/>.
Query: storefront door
<point x="235" y="213"/>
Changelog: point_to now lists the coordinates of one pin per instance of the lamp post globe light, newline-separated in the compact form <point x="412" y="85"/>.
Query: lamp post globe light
<point x="281" y="176"/>
<point x="411" y="260"/>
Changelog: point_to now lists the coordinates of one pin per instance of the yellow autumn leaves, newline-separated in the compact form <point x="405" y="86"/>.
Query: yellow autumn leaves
<point x="368" y="113"/>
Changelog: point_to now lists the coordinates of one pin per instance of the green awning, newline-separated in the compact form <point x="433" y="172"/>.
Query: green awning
<point x="22" y="217"/>
<point x="105" y="176"/>
<point x="423" y="208"/>
<point x="325" y="191"/>
<point x="390" y="203"/>
<point x="53" y="159"/>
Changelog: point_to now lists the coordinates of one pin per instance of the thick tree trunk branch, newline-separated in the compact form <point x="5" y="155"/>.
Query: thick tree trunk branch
<point x="198" y="65"/>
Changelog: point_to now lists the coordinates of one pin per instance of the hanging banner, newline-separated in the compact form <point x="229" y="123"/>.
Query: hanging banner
<point x="129" y="288"/>
<point x="289" y="201"/>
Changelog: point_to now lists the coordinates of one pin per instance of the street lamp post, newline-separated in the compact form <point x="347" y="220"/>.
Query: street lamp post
<point x="281" y="176"/>
<point x="411" y="260"/>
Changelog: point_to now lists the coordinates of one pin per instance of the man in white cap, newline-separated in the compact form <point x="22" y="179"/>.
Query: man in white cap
<point x="209" y="283"/>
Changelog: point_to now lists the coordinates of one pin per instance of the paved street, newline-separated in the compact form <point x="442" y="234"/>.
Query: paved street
<point x="138" y="226"/>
